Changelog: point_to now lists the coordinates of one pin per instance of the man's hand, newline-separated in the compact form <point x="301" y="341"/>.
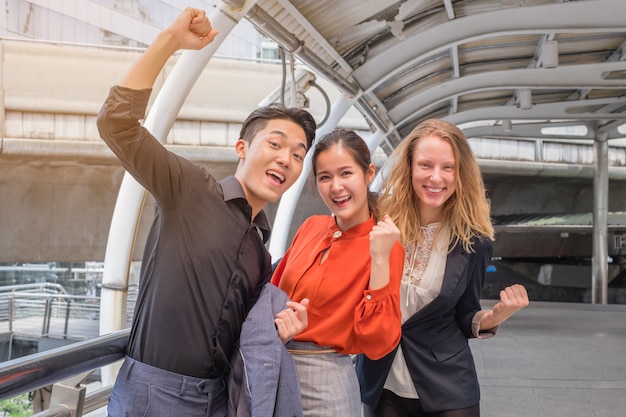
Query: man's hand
<point x="192" y="29"/>
<point x="292" y="320"/>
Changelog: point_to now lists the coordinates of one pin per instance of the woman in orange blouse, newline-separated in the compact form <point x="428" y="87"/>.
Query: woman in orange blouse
<point x="349" y="265"/>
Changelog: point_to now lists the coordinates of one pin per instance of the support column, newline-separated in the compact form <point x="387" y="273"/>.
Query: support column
<point x="599" y="262"/>
<point x="374" y="141"/>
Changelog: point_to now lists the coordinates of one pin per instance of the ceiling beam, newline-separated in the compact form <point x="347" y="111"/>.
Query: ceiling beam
<point x="596" y="16"/>
<point x="572" y="76"/>
<point x="557" y="111"/>
<point x="312" y="31"/>
<point x="267" y="25"/>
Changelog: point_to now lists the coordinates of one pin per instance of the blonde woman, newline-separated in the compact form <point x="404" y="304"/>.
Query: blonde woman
<point x="436" y="197"/>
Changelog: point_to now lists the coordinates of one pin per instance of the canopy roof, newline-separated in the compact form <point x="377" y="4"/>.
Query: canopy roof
<point x="509" y="66"/>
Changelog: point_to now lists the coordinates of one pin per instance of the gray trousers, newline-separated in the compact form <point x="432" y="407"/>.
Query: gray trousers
<point x="143" y="390"/>
<point x="328" y="382"/>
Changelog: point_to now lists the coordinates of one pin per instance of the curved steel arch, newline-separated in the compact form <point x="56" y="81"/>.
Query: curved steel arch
<point x="571" y="76"/>
<point x="572" y="16"/>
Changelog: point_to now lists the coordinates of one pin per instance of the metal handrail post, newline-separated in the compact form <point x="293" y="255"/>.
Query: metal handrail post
<point x="67" y="318"/>
<point x="45" y="330"/>
<point x="70" y="393"/>
<point x="11" y="312"/>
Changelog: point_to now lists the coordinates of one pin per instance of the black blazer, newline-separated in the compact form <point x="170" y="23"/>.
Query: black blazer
<point x="435" y="339"/>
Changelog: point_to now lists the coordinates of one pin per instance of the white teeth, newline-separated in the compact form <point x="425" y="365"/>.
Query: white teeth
<point x="341" y="199"/>
<point x="276" y="174"/>
<point x="434" y="190"/>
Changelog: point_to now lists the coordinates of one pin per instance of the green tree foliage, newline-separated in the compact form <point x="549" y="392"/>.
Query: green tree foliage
<point x="20" y="406"/>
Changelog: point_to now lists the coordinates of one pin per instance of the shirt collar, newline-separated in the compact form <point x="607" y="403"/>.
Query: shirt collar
<point x="232" y="190"/>
<point x="361" y="229"/>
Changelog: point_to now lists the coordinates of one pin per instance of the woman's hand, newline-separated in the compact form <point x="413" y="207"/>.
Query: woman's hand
<point x="382" y="237"/>
<point x="512" y="299"/>
<point x="293" y="320"/>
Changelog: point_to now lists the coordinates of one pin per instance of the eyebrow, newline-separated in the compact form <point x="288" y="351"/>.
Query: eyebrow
<point x="341" y="168"/>
<point x="284" y="136"/>
<point x="429" y="160"/>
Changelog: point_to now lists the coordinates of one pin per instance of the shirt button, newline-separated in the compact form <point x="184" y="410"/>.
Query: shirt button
<point x="337" y="234"/>
<point x="368" y="297"/>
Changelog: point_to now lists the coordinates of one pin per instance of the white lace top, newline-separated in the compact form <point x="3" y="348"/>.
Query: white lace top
<point x="424" y="266"/>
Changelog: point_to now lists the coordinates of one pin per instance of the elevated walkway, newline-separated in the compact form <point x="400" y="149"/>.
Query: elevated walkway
<point x="557" y="360"/>
<point x="549" y="360"/>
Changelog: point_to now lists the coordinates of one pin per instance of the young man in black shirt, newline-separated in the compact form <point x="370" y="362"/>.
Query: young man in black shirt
<point x="205" y="260"/>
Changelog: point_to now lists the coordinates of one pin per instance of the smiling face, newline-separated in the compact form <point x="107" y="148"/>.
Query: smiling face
<point x="343" y="184"/>
<point x="433" y="175"/>
<point x="271" y="162"/>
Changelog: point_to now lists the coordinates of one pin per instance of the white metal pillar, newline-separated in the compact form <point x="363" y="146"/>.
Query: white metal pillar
<point x="374" y="141"/>
<point x="289" y="200"/>
<point x="599" y="262"/>
<point x="377" y="184"/>
<point x="131" y="196"/>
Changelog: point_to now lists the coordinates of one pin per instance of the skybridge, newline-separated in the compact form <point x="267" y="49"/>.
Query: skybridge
<point x="538" y="86"/>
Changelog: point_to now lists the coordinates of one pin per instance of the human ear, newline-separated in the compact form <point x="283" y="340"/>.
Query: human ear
<point x="371" y="173"/>
<point x="241" y="146"/>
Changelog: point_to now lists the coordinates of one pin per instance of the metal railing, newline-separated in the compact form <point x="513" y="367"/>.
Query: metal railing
<point x="46" y="310"/>
<point x="64" y="368"/>
<point x="44" y="314"/>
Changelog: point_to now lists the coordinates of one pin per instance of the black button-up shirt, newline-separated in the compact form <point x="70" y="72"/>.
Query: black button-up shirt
<point x="205" y="260"/>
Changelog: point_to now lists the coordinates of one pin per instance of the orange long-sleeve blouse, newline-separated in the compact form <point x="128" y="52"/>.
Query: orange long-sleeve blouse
<point x="343" y="312"/>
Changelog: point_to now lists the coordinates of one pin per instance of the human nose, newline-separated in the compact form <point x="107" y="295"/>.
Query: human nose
<point x="283" y="157"/>
<point x="336" y="184"/>
<point x="435" y="174"/>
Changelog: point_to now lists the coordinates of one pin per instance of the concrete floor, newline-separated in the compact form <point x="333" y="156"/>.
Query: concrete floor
<point x="555" y="359"/>
<point x="552" y="360"/>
